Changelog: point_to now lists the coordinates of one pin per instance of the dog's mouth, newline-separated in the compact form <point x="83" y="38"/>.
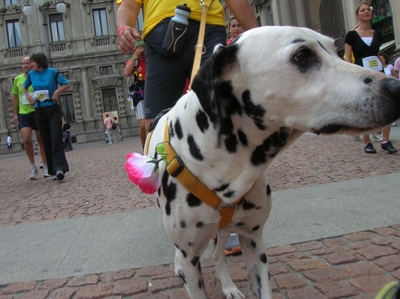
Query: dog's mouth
<point x="332" y="129"/>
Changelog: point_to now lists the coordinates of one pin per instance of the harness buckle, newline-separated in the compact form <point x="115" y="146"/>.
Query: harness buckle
<point x="176" y="166"/>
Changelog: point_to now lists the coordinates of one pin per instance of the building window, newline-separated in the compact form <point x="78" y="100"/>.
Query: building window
<point x="67" y="107"/>
<point x="100" y="22"/>
<point x="10" y="2"/>
<point x="109" y="99"/>
<point x="106" y="70"/>
<point x="57" y="27"/>
<point x="14" y="34"/>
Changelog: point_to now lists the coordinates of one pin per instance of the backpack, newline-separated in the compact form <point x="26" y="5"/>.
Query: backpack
<point x="113" y="126"/>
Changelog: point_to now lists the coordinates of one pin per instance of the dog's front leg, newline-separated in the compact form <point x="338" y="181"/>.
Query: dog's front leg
<point x="228" y="287"/>
<point x="255" y="255"/>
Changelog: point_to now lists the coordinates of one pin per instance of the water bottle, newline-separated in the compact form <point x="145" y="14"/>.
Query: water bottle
<point x="177" y="29"/>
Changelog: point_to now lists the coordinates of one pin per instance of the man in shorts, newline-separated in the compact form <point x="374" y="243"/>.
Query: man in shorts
<point x="24" y="117"/>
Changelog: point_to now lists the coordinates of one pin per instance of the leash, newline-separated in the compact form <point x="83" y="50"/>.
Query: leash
<point x="200" y="41"/>
<point x="177" y="169"/>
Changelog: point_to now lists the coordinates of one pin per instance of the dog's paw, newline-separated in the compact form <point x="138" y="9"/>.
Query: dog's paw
<point x="232" y="292"/>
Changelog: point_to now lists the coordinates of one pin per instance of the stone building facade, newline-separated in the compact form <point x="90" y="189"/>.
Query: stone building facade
<point x="82" y="45"/>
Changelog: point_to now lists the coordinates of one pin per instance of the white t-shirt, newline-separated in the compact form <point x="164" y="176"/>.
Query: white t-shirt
<point x="388" y="70"/>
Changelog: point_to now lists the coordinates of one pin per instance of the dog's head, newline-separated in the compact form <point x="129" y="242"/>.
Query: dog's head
<point x="273" y="77"/>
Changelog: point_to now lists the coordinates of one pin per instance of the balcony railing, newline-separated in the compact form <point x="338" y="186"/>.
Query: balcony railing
<point x="15" y="52"/>
<point x="103" y="41"/>
<point x="57" y="47"/>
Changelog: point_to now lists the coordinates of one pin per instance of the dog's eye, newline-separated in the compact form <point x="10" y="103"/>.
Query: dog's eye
<point x="302" y="56"/>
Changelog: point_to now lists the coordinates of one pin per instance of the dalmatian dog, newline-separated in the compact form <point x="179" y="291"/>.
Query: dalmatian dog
<point x="249" y="102"/>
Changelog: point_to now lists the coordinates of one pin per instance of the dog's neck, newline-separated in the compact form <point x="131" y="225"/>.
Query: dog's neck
<point x="240" y="139"/>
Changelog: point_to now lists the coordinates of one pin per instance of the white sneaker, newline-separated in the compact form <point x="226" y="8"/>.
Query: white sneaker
<point x="41" y="165"/>
<point x="45" y="172"/>
<point x="34" y="173"/>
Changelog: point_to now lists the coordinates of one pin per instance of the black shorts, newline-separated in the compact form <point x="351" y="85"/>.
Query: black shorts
<point x="166" y="73"/>
<point x="27" y="120"/>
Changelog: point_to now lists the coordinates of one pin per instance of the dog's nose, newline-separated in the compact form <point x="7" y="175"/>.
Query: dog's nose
<point x="393" y="86"/>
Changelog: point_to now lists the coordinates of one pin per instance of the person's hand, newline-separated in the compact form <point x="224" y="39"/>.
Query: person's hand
<point x="139" y="53"/>
<point x="16" y="119"/>
<point x="54" y="98"/>
<point x="31" y="100"/>
<point x="126" y="40"/>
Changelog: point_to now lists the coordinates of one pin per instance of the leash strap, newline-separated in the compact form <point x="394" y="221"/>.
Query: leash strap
<point x="176" y="168"/>
<point x="200" y="41"/>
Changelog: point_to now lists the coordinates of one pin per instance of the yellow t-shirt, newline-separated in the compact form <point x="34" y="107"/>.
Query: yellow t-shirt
<point x="156" y="11"/>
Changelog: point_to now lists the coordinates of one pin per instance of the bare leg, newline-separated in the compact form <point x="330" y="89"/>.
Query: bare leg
<point x="385" y="133"/>
<point x="366" y="139"/>
<point x="41" y="147"/>
<point x="147" y="124"/>
<point x="28" y="146"/>
<point x="142" y="131"/>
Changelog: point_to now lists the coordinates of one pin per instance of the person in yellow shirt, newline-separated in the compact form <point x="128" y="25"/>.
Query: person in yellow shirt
<point x="167" y="73"/>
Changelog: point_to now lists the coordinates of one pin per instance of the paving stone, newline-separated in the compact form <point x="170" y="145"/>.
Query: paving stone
<point x="289" y="281"/>
<point x="42" y="294"/>
<point x="326" y="274"/>
<point x="306" y="264"/>
<point x="370" y="283"/>
<point x="337" y="289"/>
<point x="117" y="275"/>
<point x="361" y="268"/>
<point x="95" y="292"/>
<point x="64" y="293"/>
<point x="154" y="270"/>
<point x="384" y="231"/>
<point x="19" y="287"/>
<point x="280" y="250"/>
<point x="278" y="268"/>
<point x="308" y="246"/>
<point x="359" y="236"/>
<point x="389" y="263"/>
<point x="163" y="284"/>
<point x="83" y="280"/>
<point x="373" y="252"/>
<point x="129" y="287"/>
<point x="52" y="284"/>
<point x="308" y="292"/>
<point x="343" y="257"/>
<point x="334" y="242"/>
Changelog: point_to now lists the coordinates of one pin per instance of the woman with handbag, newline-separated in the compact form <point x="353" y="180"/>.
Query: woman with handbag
<point x="47" y="84"/>
<point x="364" y="43"/>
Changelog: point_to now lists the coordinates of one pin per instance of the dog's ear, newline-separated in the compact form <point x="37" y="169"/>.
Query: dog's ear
<point x="207" y="83"/>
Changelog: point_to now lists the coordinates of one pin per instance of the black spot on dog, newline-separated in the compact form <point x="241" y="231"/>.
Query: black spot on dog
<point x="190" y="244"/>
<point x="200" y="284"/>
<point x="269" y="275"/>
<point x="232" y="105"/>
<point x="263" y="258"/>
<point x="242" y="138"/>
<point x="239" y="224"/>
<point x="182" y="275"/>
<point x="221" y="188"/>
<point x="229" y="193"/>
<point x="367" y="80"/>
<point x="270" y="147"/>
<point x="192" y="200"/>
<point x="258" y="281"/>
<point x="195" y="260"/>
<point x="171" y="130"/>
<point x="253" y="244"/>
<point x="255" y="112"/>
<point x="182" y="224"/>
<point x="268" y="190"/>
<point x="199" y="224"/>
<point x="256" y="228"/>
<point x="184" y="253"/>
<point x="169" y="192"/>
<point x="199" y="267"/>
<point x="194" y="148"/>
<point x="176" y="246"/>
<point x="247" y="205"/>
<point x="231" y="143"/>
<point x="178" y="129"/>
<point x="202" y="121"/>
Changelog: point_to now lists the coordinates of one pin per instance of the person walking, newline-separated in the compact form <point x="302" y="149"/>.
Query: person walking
<point x="115" y="129"/>
<point x="364" y="42"/>
<point x="24" y="117"/>
<point x="167" y="72"/>
<point x="108" y="127"/>
<point x="9" y="144"/>
<point x="234" y="30"/>
<point x="66" y="127"/>
<point x="135" y="70"/>
<point x="48" y="84"/>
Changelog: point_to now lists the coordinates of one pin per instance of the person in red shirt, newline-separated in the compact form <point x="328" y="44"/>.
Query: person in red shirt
<point x="234" y="30"/>
<point x="135" y="70"/>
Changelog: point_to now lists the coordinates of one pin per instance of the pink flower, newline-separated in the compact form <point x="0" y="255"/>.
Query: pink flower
<point x="143" y="171"/>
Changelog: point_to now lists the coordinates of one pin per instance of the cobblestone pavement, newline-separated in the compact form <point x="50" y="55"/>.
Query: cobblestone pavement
<point x="349" y="266"/>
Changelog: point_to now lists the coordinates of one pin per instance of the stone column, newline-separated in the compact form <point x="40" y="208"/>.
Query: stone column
<point x="395" y="5"/>
<point x="86" y="95"/>
<point x="3" y="114"/>
<point x="301" y="20"/>
<point x="285" y="13"/>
